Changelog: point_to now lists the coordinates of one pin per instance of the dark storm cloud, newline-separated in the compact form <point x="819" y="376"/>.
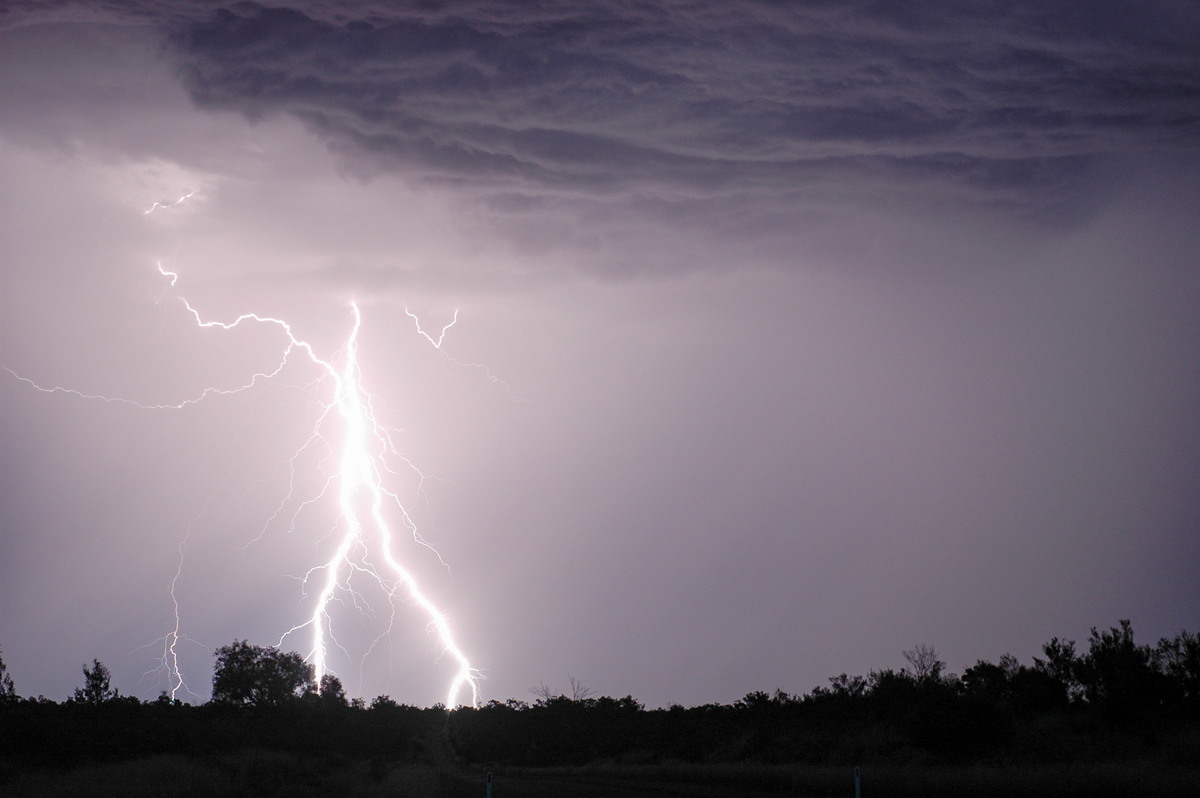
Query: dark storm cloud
<point x="750" y="121"/>
<point x="996" y="103"/>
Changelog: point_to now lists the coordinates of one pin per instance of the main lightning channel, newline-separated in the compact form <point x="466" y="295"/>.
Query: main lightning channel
<point x="365" y="443"/>
<point x="362" y="497"/>
<point x="360" y="481"/>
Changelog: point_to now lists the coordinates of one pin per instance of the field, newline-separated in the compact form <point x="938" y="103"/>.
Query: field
<point x="259" y="773"/>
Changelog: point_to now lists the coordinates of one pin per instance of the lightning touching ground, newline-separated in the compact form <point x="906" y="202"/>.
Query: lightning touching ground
<point x="365" y="457"/>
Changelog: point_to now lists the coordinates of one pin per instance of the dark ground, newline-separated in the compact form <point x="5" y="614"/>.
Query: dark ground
<point x="268" y="774"/>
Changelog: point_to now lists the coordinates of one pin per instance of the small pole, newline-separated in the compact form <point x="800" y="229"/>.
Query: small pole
<point x="857" y="783"/>
<point x="489" y="784"/>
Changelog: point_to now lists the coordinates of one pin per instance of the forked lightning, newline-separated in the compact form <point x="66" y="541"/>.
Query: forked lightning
<point x="364" y="535"/>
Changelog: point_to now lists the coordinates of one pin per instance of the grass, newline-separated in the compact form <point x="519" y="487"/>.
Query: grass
<point x="262" y="774"/>
<point x="265" y="774"/>
<point x="985" y="781"/>
<point x="154" y="777"/>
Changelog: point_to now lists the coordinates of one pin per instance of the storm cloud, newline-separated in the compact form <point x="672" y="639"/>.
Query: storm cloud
<point x="748" y="121"/>
<point x="997" y="104"/>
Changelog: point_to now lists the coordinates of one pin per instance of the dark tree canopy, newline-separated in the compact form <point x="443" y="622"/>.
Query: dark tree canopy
<point x="259" y="675"/>
<point x="8" y="693"/>
<point x="96" y="688"/>
<point x="1112" y="700"/>
<point x="332" y="694"/>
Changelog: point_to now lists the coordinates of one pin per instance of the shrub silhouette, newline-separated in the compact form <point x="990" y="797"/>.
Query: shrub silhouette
<point x="259" y="675"/>
<point x="96" y="685"/>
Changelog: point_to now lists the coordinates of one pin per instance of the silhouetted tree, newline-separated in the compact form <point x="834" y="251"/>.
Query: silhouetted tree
<point x="96" y="689"/>
<point x="844" y="686"/>
<point x="8" y="693"/>
<point x="924" y="663"/>
<point x="544" y="693"/>
<point x="332" y="694"/>
<point x="1179" y="661"/>
<point x="384" y="703"/>
<point x="1062" y="666"/>
<point x="987" y="681"/>
<point x="892" y="692"/>
<point x="579" y="691"/>
<point x="259" y="675"/>
<point x="1119" y="676"/>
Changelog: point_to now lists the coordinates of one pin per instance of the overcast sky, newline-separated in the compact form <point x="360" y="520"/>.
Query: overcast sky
<point x="789" y="335"/>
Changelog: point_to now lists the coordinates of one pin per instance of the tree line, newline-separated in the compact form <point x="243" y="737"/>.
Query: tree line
<point x="1113" y="698"/>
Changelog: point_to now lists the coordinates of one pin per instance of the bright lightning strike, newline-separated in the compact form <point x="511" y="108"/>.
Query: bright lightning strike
<point x="179" y="201"/>
<point x="362" y="498"/>
<point x="364" y="535"/>
<point x="361" y="486"/>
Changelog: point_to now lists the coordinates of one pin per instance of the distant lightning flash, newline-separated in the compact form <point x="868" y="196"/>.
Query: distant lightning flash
<point x="441" y="336"/>
<point x="362" y="498"/>
<point x="158" y="205"/>
<point x="437" y="344"/>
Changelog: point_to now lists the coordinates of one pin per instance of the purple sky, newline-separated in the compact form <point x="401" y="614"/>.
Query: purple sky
<point x="789" y="337"/>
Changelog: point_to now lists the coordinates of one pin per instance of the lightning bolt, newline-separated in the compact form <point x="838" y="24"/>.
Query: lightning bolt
<point x="360" y="481"/>
<point x="158" y="205"/>
<point x="437" y="344"/>
<point x="363" y="533"/>
<point x="169" y="658"/>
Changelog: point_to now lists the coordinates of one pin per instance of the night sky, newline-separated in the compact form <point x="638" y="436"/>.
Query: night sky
<point x="789" y="335"/>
